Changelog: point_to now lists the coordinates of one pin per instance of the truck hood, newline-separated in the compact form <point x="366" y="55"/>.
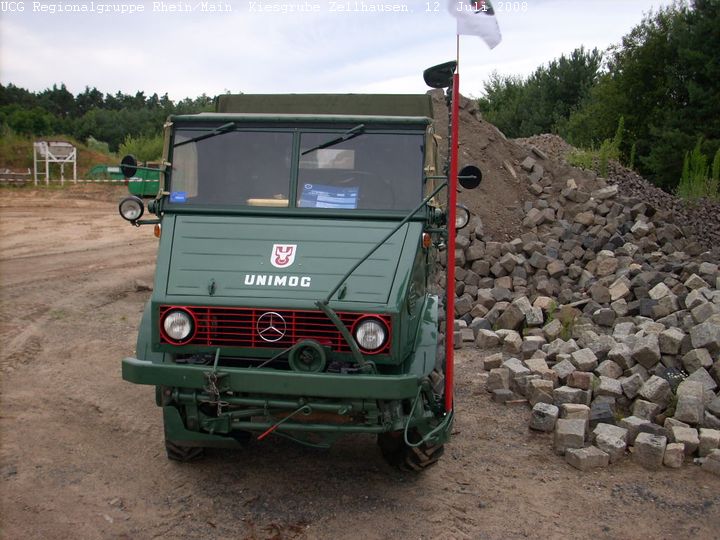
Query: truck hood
<point x="261" y="258"/>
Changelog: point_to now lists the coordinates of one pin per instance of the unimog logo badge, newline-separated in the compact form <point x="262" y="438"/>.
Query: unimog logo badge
<point x="271" y="326"/>
<point x="283" y="255"/>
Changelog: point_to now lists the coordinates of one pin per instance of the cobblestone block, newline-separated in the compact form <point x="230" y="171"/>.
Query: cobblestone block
<point x="568" y="434"/>
<point x="674" y="455"/>
<point x="688" y="436"/>
<point x="611" y="431"/>
<point x="580" y="379"/>
<point x="633" y="425"/>
<point x="543" y="417"/>
<point x="649" y="450"/>
<point x="584" y="360"/>
<point x="499" y="378"/>
<point x="657" y="390"/>
<point x="614" y="448"/>
<point x="645" y="409"/>
<point x="586" y="458"/>
<point x="712" y="462"/>
<point x="709" y="441"/>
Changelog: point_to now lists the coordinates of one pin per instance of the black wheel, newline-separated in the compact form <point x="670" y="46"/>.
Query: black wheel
<point x="183" y="454"/>
<point x="408" y="458"/>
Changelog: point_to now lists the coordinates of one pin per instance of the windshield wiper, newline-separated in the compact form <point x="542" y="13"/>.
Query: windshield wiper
<point x="225" y="128"/>
<point x="349" y="134"/>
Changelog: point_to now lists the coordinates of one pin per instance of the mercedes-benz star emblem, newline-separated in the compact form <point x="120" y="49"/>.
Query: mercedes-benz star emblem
<point x="271" y="326"/>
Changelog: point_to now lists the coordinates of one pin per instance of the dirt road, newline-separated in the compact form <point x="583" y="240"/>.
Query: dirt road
<point x="81" y="451"/>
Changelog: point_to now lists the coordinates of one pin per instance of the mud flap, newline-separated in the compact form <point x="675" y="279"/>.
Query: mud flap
<point x="176" y="432"/>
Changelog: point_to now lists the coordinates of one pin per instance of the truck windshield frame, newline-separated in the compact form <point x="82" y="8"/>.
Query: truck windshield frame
<point x="260" y="168"/>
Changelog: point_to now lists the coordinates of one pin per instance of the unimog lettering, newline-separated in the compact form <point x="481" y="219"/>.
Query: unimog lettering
<point x="350" y="185"/>
<point x="268" y="280"/>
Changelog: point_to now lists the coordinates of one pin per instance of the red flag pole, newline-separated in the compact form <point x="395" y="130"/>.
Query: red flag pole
<point x="452" y="203"/>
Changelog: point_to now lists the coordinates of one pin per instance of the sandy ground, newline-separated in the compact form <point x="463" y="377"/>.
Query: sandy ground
<point x="81" y="451"/>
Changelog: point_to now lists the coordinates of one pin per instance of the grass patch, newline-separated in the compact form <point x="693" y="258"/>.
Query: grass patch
<point x="598" y="159"/>
<point x="698" y="179"/>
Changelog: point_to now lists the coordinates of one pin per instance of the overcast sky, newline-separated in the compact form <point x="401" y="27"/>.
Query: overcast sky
<point x="242" y="48"/>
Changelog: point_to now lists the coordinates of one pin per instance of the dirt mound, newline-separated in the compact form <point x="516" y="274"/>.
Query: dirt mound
<point x="502" y="199"/>
<point x="498" y="201"/>
<point x="552" y="145"/>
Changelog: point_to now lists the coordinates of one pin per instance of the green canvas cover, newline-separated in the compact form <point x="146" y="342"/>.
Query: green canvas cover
<point x="417" y="105"/>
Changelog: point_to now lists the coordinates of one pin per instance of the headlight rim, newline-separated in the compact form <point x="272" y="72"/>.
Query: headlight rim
<point x="463" y="210"/>
<point x="135" y="200"/>
<point x="193" y="325"/>
<point x="379" y="320"/>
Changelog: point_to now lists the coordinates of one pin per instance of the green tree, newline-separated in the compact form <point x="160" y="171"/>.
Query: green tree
<point x="88" y="100"/>
<point x="542" y="102"/>
<point x="33" y="121"/>
<point x="57" y="101"/>
<point x="664" y="79"/>
<point x="110" y="118"/>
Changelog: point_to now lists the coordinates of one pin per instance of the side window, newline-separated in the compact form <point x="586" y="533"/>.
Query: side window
<point x="184" y="170"/>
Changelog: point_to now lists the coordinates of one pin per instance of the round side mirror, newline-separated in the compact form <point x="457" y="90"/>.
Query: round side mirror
<point x="462" y="217"/>
<point x="128" y="166"/>
<point x="131" y="208"/>
<point x="470" y="177"/>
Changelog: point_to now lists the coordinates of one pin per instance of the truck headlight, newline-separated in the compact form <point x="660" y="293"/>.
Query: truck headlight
<point x="131" y="208"/>
<point x="178" y="325"/>
<point x="371" y="334"/>
<point x="462" y="217"/>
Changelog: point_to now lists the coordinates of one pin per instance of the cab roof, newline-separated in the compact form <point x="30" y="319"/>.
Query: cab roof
<point x="267" y="118"/>
<point x="395" y="105"/>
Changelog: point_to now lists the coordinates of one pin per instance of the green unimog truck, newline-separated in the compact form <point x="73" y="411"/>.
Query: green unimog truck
<point x="293" y="297"/>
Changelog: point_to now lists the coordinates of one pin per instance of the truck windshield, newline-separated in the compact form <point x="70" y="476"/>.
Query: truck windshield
<point x="237" y="168"/>
<point x="368" y="171"/>
<point x="372" y="171"/>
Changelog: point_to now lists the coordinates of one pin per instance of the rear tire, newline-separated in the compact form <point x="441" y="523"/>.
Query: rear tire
<point x="183" y="454"/>
<point x="408" y="458"/>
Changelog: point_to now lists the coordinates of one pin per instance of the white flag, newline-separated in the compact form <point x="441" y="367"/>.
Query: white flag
<point x="476" y="19"/>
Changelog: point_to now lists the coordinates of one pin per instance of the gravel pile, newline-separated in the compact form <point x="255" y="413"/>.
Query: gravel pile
<point x="699" y="219"/>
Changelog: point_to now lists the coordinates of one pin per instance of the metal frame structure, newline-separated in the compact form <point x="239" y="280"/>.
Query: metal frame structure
<point x="54" y="152"/>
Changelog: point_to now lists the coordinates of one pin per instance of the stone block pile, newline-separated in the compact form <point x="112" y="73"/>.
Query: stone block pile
<point x="607" y="321"/>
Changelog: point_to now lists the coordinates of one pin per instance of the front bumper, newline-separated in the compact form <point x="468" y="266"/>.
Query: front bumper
<point x="273" y="382"/>
<point x="204" y="406"/>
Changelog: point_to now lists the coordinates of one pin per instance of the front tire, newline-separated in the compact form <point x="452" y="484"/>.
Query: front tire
<point x="408" y="458"/>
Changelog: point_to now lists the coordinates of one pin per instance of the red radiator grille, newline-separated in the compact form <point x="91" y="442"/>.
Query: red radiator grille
<point x="238" y="327"/>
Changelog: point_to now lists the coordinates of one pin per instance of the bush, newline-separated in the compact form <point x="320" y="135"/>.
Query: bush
<point x="697" y="179"/>
<point x="581" y="158"/>
<point x="598" y="160"/>
<point x="97" y="146"/>
<point x="144" y="148"/>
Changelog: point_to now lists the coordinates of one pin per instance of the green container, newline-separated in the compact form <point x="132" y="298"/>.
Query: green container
<point x="145" y="183"/>
<point x="105" y="172"/>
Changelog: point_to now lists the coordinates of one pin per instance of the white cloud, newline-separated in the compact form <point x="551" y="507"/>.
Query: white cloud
<point x="186" y="54"/>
